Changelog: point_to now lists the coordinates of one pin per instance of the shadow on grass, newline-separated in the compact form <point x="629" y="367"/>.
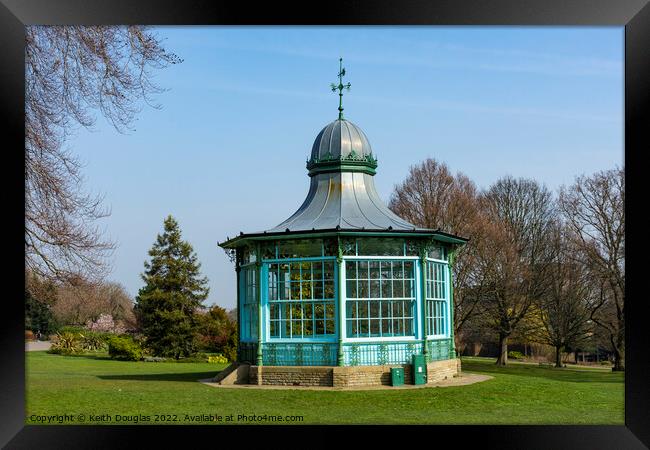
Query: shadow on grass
<point x="550" y="373"/>
<point x="189" y="376"/>
<point x="96" y="356"/>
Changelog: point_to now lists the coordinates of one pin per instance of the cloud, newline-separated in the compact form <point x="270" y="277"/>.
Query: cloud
<point x="387" y="50"/>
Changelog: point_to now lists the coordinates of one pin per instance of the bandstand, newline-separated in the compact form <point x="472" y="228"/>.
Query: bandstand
<point x="344" y="289"/>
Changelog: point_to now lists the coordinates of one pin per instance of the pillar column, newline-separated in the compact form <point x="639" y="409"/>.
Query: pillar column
<point x="260" y="316"/>
<point x="423" y="294"/>
<point x="452" y="343"/>
<point x="239" y="309"/>
<point x="340" y="301"/>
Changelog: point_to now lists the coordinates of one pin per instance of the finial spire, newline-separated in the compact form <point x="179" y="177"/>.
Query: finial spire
<point x="340" y="87"/>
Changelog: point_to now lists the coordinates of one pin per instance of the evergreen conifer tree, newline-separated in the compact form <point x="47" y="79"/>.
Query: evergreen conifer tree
<point x="165" y="307"/>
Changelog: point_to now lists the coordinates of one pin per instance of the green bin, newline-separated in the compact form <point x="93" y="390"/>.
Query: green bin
<point x="397" y="376"/>
<point x="419" y="370"/>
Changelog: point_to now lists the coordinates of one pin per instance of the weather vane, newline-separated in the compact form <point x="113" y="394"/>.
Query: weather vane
<point x="340" y="87"/>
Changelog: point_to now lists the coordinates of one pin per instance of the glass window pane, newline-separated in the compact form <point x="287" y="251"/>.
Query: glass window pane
<point x="329" y="311"/>
<point x="363" y="270"/>
<point x="374" y="289"/>
<point x="317" y="270"/>
<point x="351" y="269"/>
<point x="386" y="288"/>
<point x="364" y="289"/>
<point x="380" y="247"/>
<point x="317" y="289"/>
<point x="374" y="327"/>
<point x="351" y="290"/>
<point x="328" y="269"/>
<point x="374" y="270"/>
<point x="306" y="289"/>
<point x="398" y="289"/>
<point x="328" y="292"/>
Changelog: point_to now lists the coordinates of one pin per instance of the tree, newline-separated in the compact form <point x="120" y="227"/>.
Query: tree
<point x="217" y="332"/>
<point x="561" y="316"/>
<point x="594" y="208"/>
<point x="69" y="72"/>
<point x="38" y="315"/>
<point x="432" y="197"/>
<point x="78" y="301"/>
<point x="166" y="306"/>
<point x="514" y="262"/>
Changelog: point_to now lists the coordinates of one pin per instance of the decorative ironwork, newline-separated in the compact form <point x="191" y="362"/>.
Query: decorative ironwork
<point x="340" y="87"/>
<point x="438" y="350"/>
<point x="231" y="253"/>
<point x="354" y="355"/>
<point x="383" y="354"/>
<point x="247" y="352"/>
<point x="300" y="354"/>
<point x="380" y="353"/>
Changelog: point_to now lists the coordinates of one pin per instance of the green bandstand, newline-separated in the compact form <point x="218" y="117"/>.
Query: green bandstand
<point x="343" y="283"/>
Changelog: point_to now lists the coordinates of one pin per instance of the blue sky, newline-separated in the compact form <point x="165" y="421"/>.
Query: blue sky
<point x="227" y="150"/>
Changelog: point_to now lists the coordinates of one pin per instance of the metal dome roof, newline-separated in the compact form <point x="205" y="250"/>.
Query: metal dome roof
<point x="340" y="138"/>
<point x="345" y="200"/>
<point x="342" y="190"/>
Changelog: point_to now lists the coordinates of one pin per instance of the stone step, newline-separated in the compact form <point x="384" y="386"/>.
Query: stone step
<point x="236" y="373"/>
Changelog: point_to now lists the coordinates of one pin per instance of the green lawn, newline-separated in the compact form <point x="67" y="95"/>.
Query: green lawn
<point x="518" y="394"/>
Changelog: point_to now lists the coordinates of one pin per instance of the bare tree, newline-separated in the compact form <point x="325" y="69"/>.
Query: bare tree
<point x="515" y="260"/>
<point x="594" y="207"/>
<point x="432" y="197"/>
<point x="561" y="318"/>
<point x="79" y="301"/>
<point x="71" y="71"/>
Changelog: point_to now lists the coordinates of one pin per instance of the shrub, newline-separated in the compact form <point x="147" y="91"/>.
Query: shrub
<point x="230" y="351"/>
<point x="217" y="359"/>
<point x="124" y="348"/>
<point x="195" y="358"/>
<point x="515" y="355"/>
<point x="154" y="359"/>
<point x="67" y="343"/>
<point x="105" y="323"/>
<point x="76" y="329"/>
<point x="29" y="335"/>
<point x="93" y="341"/>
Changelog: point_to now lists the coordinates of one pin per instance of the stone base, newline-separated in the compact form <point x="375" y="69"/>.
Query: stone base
<point x="347" y="376"/>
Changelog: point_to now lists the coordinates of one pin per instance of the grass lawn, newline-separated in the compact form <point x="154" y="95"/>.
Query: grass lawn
<point x="518" y="394"/>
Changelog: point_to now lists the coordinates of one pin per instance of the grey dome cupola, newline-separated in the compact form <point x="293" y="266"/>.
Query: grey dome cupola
<point x="340" y="138"/>
<point x="342" y="192"/>
<point x="341" y="146"/>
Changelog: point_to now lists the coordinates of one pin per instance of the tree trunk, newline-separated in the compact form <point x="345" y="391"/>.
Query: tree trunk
<point x="558" y="356"/>
<point x="619" y="353"/>
<point x="619" y="360"/>
<point x="502" y="358"/>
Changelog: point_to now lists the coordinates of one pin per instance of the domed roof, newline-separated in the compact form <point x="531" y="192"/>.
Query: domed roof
<point x="340" y="138"/>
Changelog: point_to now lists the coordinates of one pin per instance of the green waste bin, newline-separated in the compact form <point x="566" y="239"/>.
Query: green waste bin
<point x="397" y="376"/>
<point x="419" y="370"/>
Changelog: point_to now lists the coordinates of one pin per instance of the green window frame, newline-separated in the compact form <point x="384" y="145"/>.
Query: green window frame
<point x="250" y="305"/>
<point x="301" y="297"/>
<point x="380" y="298"/>
<point x="436" y="298"/>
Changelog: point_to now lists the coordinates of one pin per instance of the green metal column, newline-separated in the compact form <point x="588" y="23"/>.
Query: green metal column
<point x="340" y="312"/>
<point x="258" y="265"/>
<point x="452" y="344"/>
<point x="239" y="309"/>
<point x="423" y="290"/>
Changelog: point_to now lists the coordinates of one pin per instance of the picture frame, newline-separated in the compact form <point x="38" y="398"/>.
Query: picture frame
<point x="634" y="15"/>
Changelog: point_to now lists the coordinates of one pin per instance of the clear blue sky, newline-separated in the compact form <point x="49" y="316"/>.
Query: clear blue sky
<point x="227" y="151"/>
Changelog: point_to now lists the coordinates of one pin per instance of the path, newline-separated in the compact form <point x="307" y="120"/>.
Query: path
<point x="31" y="346"/>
